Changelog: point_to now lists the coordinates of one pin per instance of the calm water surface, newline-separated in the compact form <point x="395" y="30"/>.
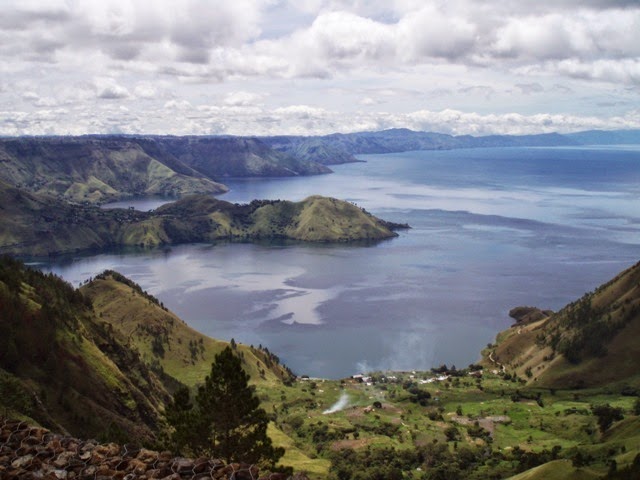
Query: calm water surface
<point x="492" y="229"/>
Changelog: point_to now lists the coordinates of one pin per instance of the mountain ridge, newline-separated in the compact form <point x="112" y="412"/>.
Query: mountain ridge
<point x="40" y="225"/>
<point x="344" y="146"/>
<point x="588" y="342"/>
<point x="101" y="168"/>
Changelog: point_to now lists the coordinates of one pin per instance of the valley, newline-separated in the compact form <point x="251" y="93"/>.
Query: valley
<point x="302" y="289"/>
<point x="481" y="421"/>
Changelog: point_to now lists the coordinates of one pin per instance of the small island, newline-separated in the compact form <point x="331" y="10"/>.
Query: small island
<point x="40" y="225"/>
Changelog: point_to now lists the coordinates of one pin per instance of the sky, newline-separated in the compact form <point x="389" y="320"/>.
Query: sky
<point x="314" y="67"/>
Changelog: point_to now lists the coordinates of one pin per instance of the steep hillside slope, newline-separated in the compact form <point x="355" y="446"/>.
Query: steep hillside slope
<point x="590" y="342"/>
<point x="220" y="157"/>
<point x="103" y="360"/>
<point x="94" y="170"/>
<point x="97" y="168"/>
<point x="41" y="225"/>
<point x="64" y="368"/>
<point x="163" y="340"/>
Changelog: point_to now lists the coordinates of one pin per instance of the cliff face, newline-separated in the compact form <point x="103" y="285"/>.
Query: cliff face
<point x="96" y="169"/>
<point x="221" y="157"/>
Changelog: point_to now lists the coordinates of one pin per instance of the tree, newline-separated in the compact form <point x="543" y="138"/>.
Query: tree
<point x="606" y="415"/>
<point x="189" y="434"/>
<point x="226" y="421"/>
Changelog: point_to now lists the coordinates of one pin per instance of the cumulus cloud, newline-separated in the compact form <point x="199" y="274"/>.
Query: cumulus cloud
<point x="434" y="32"/>
<point x="145" y="90"/>
<point x="407" y="57"/>
<point x="231" y="38"/>
<point x="180" y="117"/>
<point x="109" y="89"/>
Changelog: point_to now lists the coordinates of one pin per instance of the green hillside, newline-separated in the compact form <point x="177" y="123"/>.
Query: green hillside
<point x="63" y="368"/>
<point x="40" y="225"/>
<point x="163" y="340"/>
<point x="92" y="170"/>
<point x="101" y="360"/>
<point x="590" y="342"/>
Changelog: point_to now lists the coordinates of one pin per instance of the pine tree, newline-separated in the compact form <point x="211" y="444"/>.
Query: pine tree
<point x="189" y="433"/>
<point x="227" y="421"/>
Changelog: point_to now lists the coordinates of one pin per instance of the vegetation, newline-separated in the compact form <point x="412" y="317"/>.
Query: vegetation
<point x="39" y="225"/>
<point x="590" y="342"/>
<point x="226" y="420"/>
<point x="60" y="366"/>
<point x="95" y="169"/>
<point x="121" y="353"/>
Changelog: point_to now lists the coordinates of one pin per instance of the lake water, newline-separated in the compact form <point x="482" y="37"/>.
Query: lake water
<point x="492" y="229"/>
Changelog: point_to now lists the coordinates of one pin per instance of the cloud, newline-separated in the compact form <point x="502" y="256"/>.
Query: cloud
<point x="625" y="71"/>
<point x="237" y="99"/>
<point x="484" y="91"/>
<point x="108" y="89"/>
<point x="145" y="90"/>
<point x="530" y="88"/>
<point x="228" y="39"/>
<point x="433" y="32"/>
<point x="323" y="65"/>
<point x="180" y="117"/>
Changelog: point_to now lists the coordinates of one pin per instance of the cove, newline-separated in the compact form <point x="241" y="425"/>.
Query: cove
<point x="491" y="229"/>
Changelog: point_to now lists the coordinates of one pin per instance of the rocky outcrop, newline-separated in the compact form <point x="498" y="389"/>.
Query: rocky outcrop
<point x="33" y="452"/>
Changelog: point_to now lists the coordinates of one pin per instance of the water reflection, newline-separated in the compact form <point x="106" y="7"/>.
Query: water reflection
<point x="503" y="228"/>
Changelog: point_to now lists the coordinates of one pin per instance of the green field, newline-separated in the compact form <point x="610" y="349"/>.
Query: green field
<point x="500" y="427"/>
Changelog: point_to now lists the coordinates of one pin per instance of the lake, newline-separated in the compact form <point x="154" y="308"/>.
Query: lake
<point x="492" y="229"/>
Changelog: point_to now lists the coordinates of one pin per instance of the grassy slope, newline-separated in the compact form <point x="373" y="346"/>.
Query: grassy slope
<point x="137" y="321"/>
<point x="315" y="219"/>
<point x="556" y="470"/>
<point x="563" y="420"/>
<point x="39" y="225"/>
<point x="618" y="301"/>
<point x="71" y="373"/>
<point x="91" y="170"/>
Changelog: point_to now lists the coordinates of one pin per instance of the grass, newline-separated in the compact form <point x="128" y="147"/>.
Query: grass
<point x="556" y="470"/>
<point x="565" y="420"/>
<point x="315" y="468"/>
<point x="187" y="354"/>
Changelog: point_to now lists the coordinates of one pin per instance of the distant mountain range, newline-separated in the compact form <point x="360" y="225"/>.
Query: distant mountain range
<point x="340" y="148"/>
<point x="101" y="168"/>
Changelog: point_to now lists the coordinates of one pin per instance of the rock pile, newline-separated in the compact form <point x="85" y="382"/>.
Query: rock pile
<point x="34" y="452"/>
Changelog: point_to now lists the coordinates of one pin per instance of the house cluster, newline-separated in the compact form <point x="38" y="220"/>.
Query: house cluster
<point x="360" y="378"/>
